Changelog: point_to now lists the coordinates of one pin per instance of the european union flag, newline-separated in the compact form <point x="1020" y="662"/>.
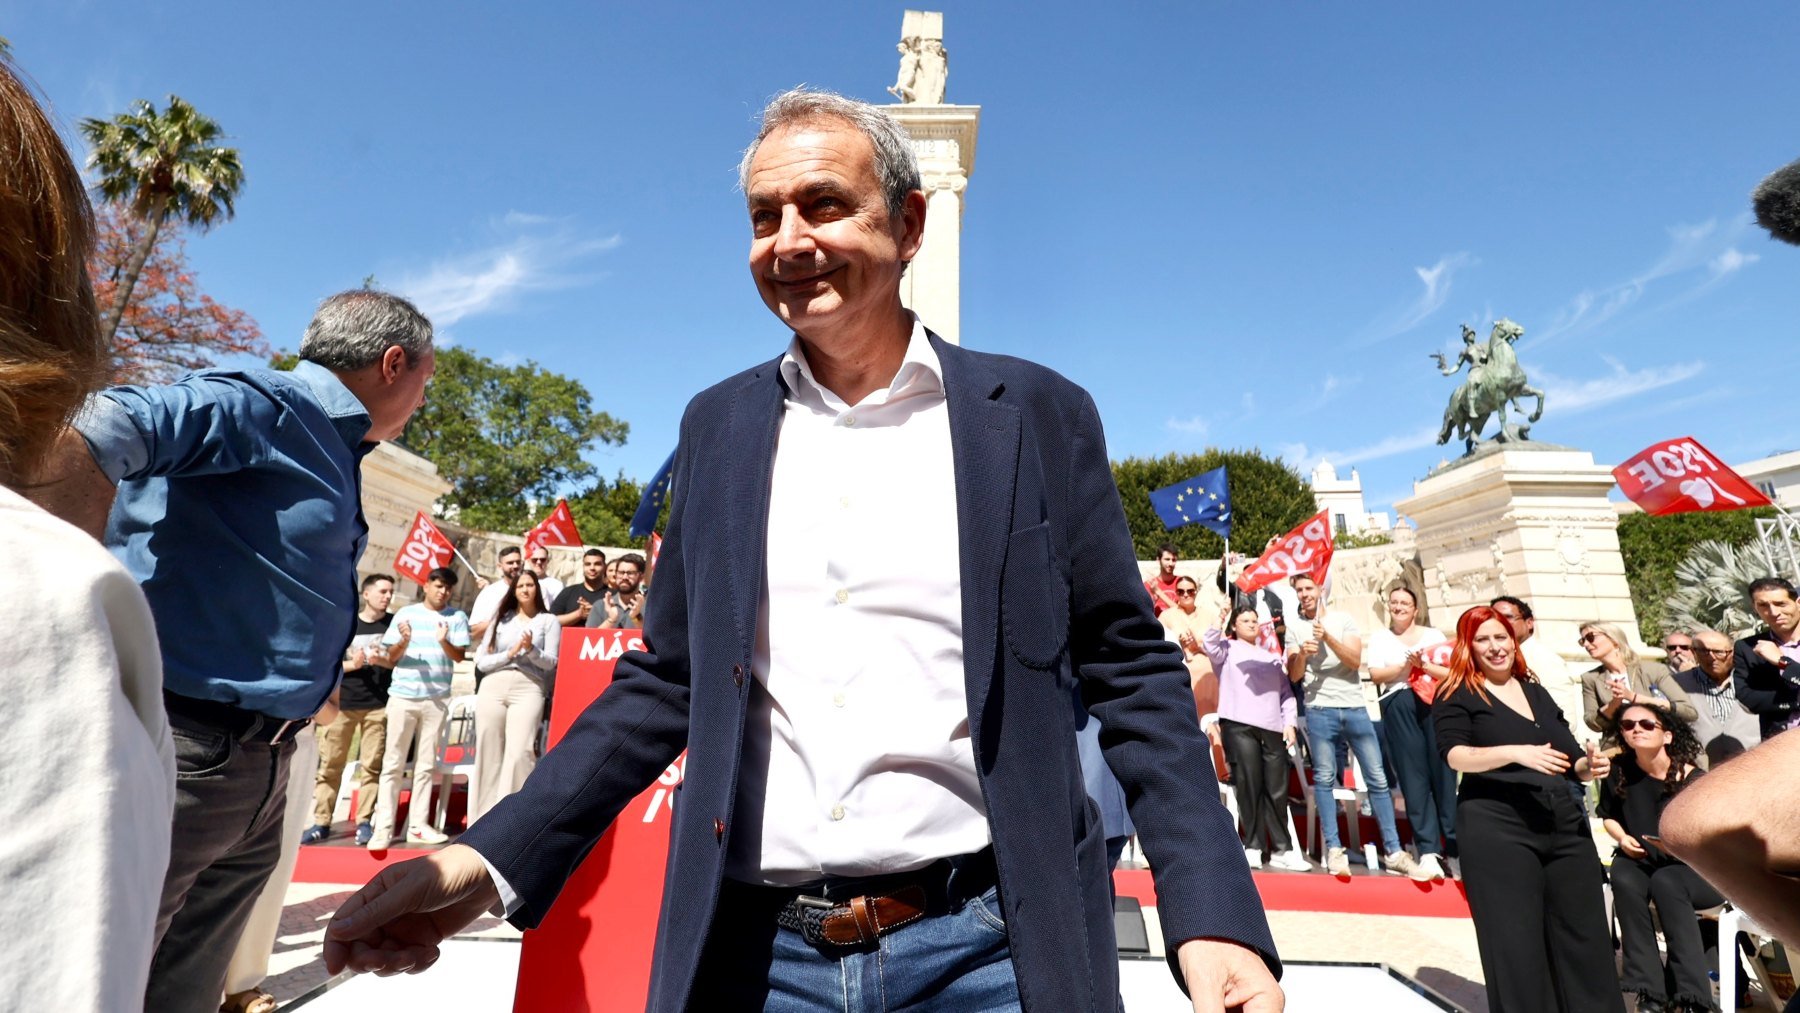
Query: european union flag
<point x="1203" y="499"/>
<point x="644" y="521"/>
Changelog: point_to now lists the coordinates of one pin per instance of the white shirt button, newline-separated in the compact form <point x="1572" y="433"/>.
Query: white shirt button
<point x="837" y="812"/>
<point x="850" y="420"/>
<point x="838" y="699"/>
<point x="842" y="596"/>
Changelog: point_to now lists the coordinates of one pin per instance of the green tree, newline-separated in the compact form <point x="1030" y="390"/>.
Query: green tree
<point x="1653" y="547"/>
<point x="161" y="165"/>
<point x="1268" y="498"/>
<point x="603" y="511"/>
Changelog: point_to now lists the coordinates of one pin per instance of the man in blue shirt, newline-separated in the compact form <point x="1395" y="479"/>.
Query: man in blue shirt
<point x="238" y="509"/>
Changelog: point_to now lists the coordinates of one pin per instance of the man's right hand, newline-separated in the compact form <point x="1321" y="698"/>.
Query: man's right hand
<point x="395" y="923"/>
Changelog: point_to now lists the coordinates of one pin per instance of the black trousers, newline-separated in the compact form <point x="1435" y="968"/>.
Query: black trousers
<point x="1534" y="888"/>
<point x="1678" y="892"/>
<point x="1259" y="766"/>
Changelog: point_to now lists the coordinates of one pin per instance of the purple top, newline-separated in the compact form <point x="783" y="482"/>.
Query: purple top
<point x="1253" y="683"/>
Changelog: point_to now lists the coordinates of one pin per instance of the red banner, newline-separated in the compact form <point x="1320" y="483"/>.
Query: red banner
<point x="1306" y="549"/>
<point x="556" y="529"/>
<point x="655" y="549"/>
<point x="1680" y="476"/>
<point x="424" y="549"/>
<point x="1423" y="683"/>
<point x="592" y="952"/>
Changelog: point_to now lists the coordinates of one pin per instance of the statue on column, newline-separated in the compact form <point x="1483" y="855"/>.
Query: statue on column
<point x="1495" y="380"/>
<point x="924" y="66"/>
<point x="903" y="88"/>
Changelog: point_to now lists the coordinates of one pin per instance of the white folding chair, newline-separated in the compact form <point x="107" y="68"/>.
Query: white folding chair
<point x="455" y="756"/>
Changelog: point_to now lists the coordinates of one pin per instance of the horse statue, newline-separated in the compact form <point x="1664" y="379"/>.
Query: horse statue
<point x="1495" y="380"/>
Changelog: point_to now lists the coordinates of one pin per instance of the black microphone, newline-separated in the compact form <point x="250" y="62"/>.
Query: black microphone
<point x="1777" y="203"/>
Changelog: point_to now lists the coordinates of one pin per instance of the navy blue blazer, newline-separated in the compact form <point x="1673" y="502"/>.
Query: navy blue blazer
<point x="1051" y="597"/>
<point x="1765" y="689"/>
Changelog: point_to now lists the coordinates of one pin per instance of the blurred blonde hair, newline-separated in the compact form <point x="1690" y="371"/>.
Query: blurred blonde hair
<point x="51" y="351"/>
<point x="1612" y="632"/>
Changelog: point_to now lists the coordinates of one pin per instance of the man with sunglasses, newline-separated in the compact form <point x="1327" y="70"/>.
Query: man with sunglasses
<point x="538" y="562"/>
<point x="1679" y="648"/>
<point x="1725" y="727"/>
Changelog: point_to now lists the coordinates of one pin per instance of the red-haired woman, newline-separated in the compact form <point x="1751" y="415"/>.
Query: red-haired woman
<point x="1528" y="860"/>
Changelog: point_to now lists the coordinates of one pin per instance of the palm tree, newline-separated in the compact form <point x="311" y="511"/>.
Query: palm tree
<point x="1711" y="589"/>
<point x="161" y="165"/>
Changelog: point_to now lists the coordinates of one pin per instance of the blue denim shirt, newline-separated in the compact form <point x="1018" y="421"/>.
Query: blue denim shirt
<point x="240" y="513"/>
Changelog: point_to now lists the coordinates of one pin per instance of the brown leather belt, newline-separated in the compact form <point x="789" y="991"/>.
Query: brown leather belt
<point x="857" y="912"/>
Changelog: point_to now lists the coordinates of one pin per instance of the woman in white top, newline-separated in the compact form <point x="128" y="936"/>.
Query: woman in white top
<point x="513" y="668"/>
<point x="87" y="765"/>
<point x="1398" y="657"/>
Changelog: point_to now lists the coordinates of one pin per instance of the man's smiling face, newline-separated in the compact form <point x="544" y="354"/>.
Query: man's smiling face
<point x="824" y="251"/>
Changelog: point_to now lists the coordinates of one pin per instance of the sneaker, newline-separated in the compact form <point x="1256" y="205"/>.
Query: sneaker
<point x="1337" y="862"/>
<point x="1433" y="870"/>
<point x="1254" y="857"/>
<point x="1453" y="868"/>
<point x="364" y="831"/>
<point x="314" y="834"/>
<point x="379" y="842"/>
<point x="1290" y="861"/>
<point x="425" y="835"/>
<point x="1401" y="864"/>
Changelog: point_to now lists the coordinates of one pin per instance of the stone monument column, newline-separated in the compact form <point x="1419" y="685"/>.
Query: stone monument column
<point x="943" y="138"/>
<point x="1534" y="522"/>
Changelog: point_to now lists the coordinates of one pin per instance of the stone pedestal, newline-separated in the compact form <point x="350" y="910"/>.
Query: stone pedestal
<point x="396" y="484"/>
<point x="1532" y="523"/>
<point x="943" y="138"/>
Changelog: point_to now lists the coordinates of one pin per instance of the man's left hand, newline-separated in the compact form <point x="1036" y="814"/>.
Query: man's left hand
<point x="1223" y="975"/>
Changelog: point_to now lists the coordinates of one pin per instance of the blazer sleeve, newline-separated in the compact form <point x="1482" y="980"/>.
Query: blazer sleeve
<point x="536" y="837"/>
<point x="1664" y="682"/>
<point x="1590" y="700"/>
<point x="1134" y="681"/>
<point x="1757" y="683"/>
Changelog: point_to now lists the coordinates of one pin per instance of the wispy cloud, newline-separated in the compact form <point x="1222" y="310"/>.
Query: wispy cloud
<point x="1193" y="425"/>
<point x="1306" y="458"/>
<point x="1436" y="282"/>
<point x="1706" y="251"/>
<point x="530" y="253"/>
<point x="1572" y="397"/>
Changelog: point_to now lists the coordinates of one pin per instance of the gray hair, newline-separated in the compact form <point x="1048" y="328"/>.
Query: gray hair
<point x="895" y="165"/>
<point x="352" y="329"/>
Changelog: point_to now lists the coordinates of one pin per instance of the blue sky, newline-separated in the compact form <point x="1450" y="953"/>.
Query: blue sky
<point x="1237" y="226"/>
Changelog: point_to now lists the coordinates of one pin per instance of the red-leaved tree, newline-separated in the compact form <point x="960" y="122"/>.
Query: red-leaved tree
<point x="170" y="326"/>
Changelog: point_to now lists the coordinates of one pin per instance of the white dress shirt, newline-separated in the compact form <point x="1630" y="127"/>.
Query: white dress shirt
<point x="857" y="757"/>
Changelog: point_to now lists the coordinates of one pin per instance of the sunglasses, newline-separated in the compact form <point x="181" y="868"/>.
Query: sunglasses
<point x="1679" y="647"/>
<point x="540" y="559"/>
<point x="1642" y="725"/>
<point x="1587" y="638"/>
<point x="1185" y="592"/>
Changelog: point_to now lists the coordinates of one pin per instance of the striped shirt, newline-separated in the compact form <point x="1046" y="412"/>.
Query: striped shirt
<point x="424" y="671"/>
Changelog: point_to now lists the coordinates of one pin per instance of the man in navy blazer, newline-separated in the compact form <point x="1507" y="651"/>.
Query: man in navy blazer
<point x="845" y="831"/>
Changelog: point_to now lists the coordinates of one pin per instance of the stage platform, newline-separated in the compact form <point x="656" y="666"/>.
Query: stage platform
<point x="1372" y="893"/>
<point x="478" y="975"/>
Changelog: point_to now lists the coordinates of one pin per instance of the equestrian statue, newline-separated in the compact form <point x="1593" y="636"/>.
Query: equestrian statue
<point x="1494" y="381"/>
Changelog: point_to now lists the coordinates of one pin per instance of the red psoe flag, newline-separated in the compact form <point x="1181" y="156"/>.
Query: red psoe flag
<point x="1680" y="476"/>
<point x="655" y="548"/>
<point x="556" y="529"/>
<point x="1306" y="549"/>
<point x="424" y="549"/>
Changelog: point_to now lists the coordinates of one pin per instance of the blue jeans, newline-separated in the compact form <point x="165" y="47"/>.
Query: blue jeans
<point x="1324" y="726"/>
<point x="953" y="960"/>
<point x="1425" y="779"/>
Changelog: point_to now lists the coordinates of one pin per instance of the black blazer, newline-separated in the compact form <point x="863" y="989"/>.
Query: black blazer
<point x="1767" y="690"/>
<point x="1051" y="598"/>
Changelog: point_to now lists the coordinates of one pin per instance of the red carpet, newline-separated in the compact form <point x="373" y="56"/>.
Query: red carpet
<point x="1362" y="894"/>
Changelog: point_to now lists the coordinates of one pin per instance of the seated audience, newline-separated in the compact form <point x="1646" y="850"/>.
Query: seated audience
<point x="87" y="765"/>
<point x="1256" y="726"/>
<point x="1724" y="726"/>
<point x="513" y="669"/>
<point x="1660" y="759"/>
<point x="1621" y="678"/>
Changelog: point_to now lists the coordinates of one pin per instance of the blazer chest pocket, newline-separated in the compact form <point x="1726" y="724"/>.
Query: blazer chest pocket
<point x="1034" y="599"/>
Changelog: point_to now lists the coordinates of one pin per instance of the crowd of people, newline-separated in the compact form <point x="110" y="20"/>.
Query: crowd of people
<point x="956" y="860"/>
<point x="1490" y="769"/>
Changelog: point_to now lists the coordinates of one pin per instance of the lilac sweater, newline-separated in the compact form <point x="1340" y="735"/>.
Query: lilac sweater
<point x="1253" y="683"/>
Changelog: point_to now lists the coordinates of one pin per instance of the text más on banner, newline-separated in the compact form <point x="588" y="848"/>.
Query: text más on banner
<point x="424" y="549"/>
<point x="1306" y="549"/>
<point x="1679" y="476"/>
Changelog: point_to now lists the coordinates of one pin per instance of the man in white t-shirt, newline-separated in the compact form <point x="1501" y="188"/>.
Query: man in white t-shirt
<point x="488" y="601"/>
<point x="538" y="562"/>
<point x="1324" y="655"/>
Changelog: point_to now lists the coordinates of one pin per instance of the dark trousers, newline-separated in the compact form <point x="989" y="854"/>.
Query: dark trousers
<point x="1426" y="781"/>
<point x="1678" y="892"/>
<point x="1259" y="766"/>
<point x="1534" y="888"/>
<point x="230" y="799"/>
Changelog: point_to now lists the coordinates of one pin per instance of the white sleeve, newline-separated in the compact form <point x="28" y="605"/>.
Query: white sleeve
<point x="509" y="898"/>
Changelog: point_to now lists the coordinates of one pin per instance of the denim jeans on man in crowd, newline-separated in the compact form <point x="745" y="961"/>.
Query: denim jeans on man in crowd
<point x="1324" y="725"/>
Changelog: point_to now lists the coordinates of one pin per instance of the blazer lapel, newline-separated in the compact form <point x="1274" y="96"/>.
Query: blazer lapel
<point x="749" y="452"/>
<point x="984" y="441"/>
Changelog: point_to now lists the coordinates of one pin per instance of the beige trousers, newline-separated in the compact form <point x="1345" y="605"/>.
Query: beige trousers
<point x="334" y="754"/>
<point x="508" y="707"/>
<point x="408" y="720"/>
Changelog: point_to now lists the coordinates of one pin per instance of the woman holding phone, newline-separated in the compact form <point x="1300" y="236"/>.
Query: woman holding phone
<point x="1660" y="759"/>
<point x="1528" y="862"/>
